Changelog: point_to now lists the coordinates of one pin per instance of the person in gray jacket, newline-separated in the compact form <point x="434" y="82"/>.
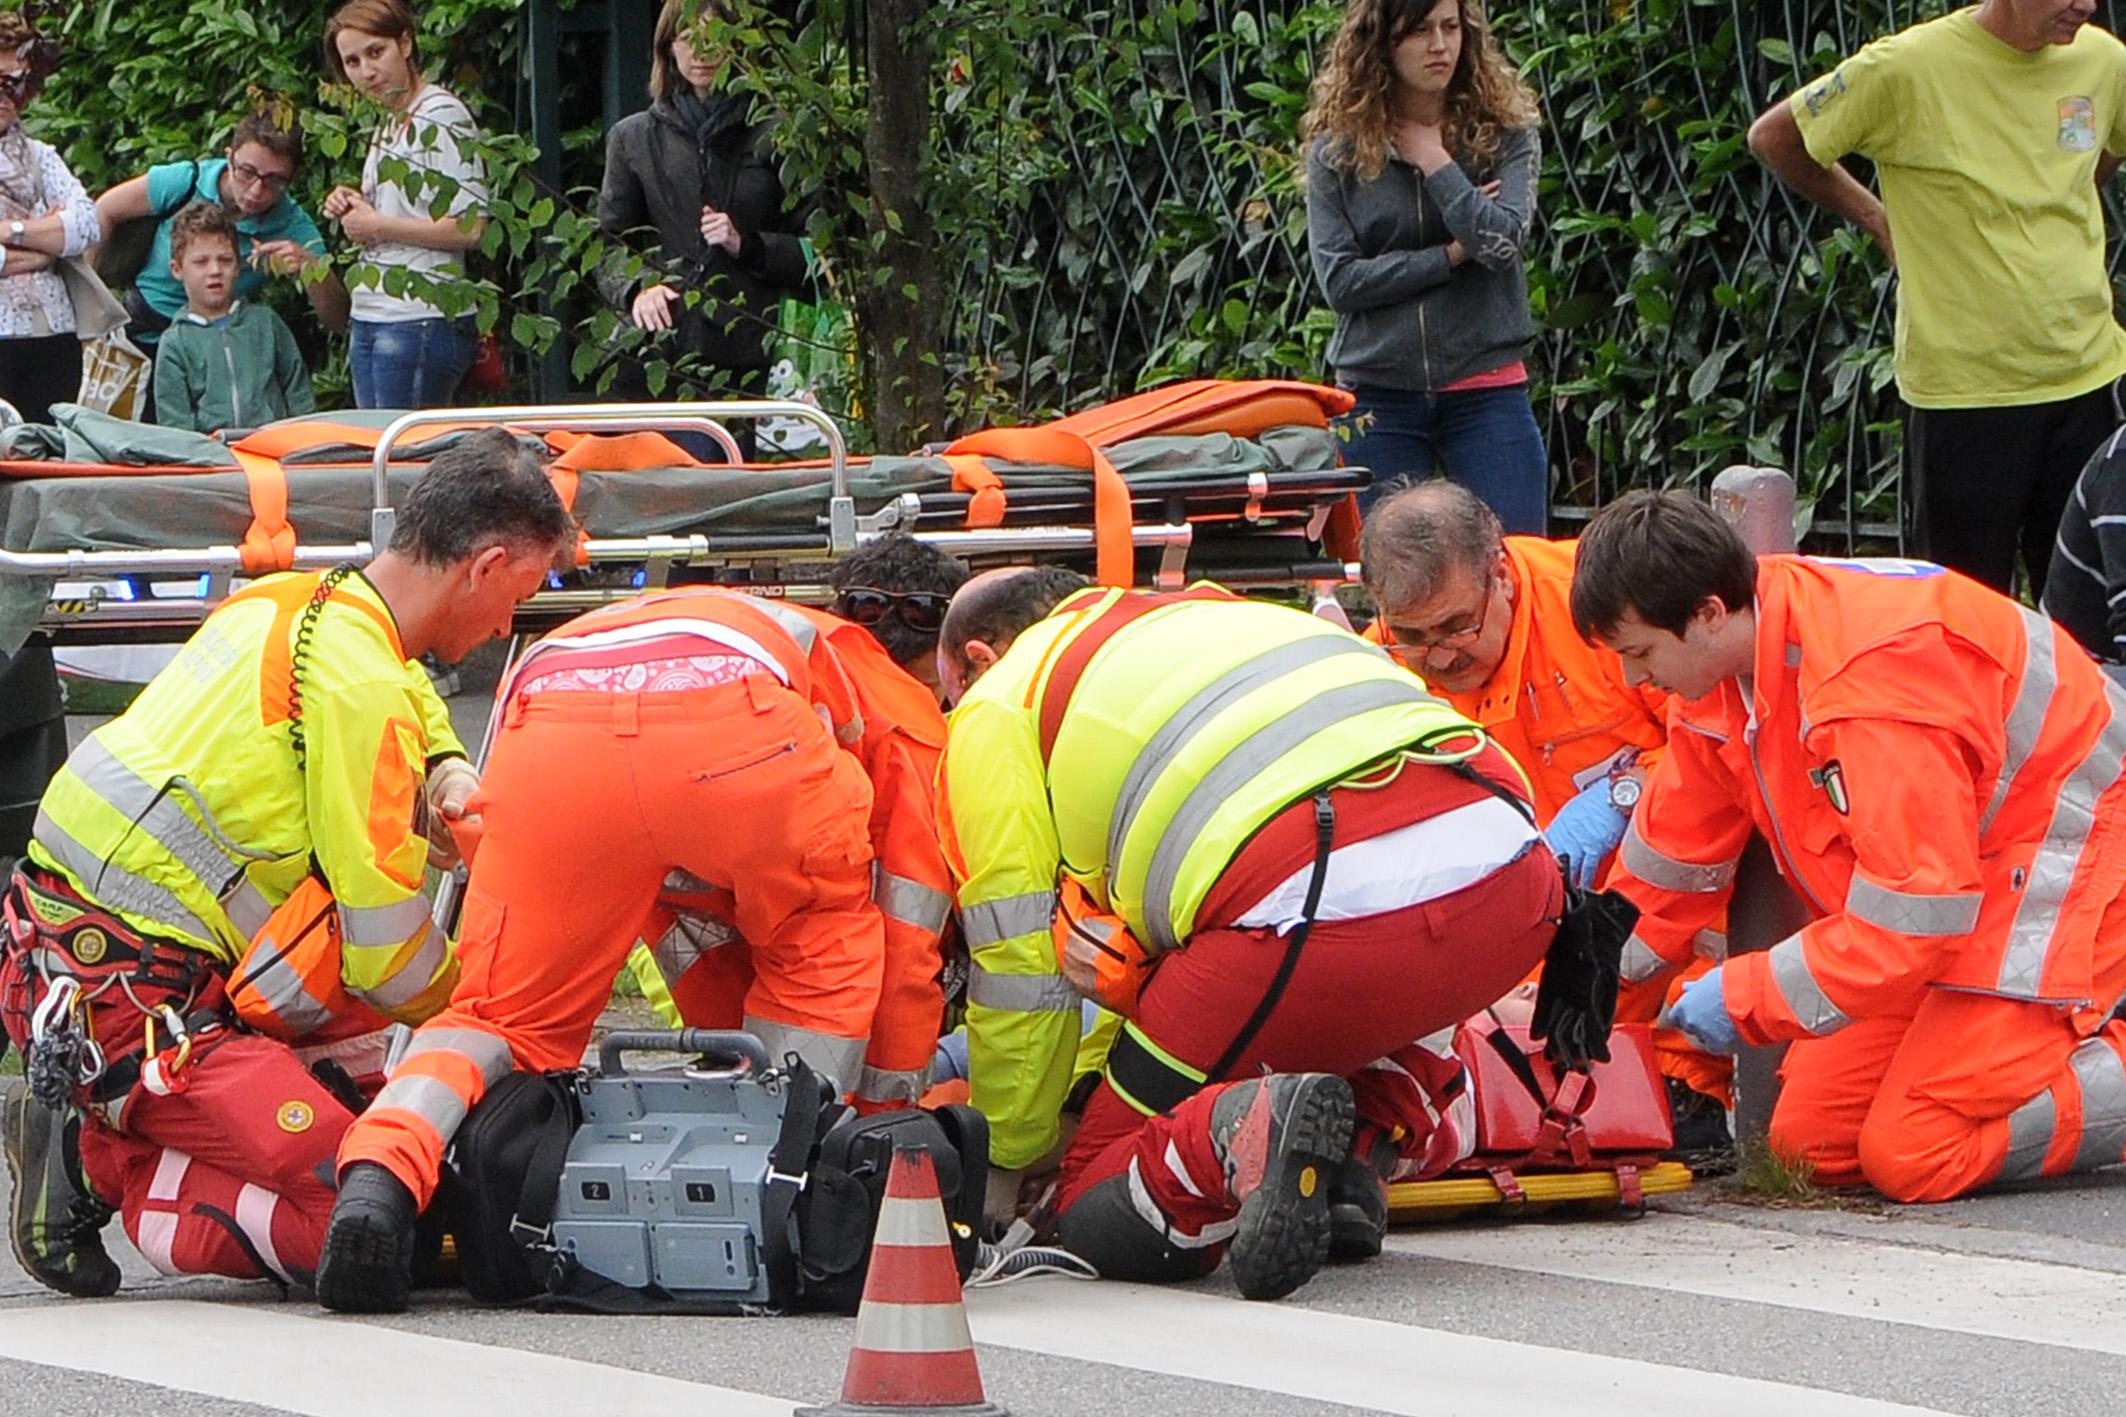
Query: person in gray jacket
<point x="1421" y="172"/>
<point x="696" y="170"/>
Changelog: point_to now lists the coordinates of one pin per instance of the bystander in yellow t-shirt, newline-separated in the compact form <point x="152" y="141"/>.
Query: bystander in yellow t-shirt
<point x="1986" y="158"/>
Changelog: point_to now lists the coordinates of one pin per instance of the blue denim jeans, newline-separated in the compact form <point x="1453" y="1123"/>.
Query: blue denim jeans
<point x="1485" y="439"/>
<point x="410" y="363"/>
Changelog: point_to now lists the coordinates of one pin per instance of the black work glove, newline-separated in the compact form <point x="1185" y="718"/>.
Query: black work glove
<point x="1576" y="1003"/>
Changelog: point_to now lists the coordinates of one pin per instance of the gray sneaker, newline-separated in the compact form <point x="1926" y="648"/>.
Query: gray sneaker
<point x="1283" y="1139"/>
<point x="56" y="1222"/>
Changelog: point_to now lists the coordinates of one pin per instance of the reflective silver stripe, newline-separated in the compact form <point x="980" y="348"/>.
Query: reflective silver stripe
<point x="1252" y="756"/>
<point x="830" y="1055"/>
<point x="1667" y="872"/>
<point x="1639" y="962"/>
<point x="910" y="902"/>
<point x="2040" y="679"/>
<point x="797" y="626"/>
<point x="1793" y="656"/>
<point x="283" y="991"/>
<point x="2030" y="1129"/>
<point x="433" y="1101"/>
<point x="1022" y="993"/>
<point x="392" y="924"/>
<point x="205" y="851"/>
<point x="682" y="947"/>
<point x="2103" y="1083"/>
<point x="879" y="1085"/>
<point x="994" y="921"/>
<point x="247" y="908"/>
<point x="1193" y="717"/>
<point x="115" y="888"/>
<point x="1911" y="914"/>
<point x="407" y="982"/>
<point x="2052" y="870"/>
<point x="1798" y="986"/>
<point x="484" y="1050"/>
<point x="1709" y="944"/>
<point x="686" y="882"/>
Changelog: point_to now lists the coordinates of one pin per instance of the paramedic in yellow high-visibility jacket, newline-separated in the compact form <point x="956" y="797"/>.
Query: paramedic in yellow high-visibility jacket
<point x="291" y="761"/>
<point x="1324" y="864"/>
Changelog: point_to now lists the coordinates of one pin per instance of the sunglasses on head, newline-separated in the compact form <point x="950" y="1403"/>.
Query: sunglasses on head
<point x="922" y="610"/>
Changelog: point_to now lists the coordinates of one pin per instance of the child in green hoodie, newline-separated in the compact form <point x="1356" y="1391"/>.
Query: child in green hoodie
<point x="222" y="363"/>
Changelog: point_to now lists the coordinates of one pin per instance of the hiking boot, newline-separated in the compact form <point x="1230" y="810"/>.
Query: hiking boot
<point x="1281" y="1138"/>
<point x="1702" y="1140"/>
<point x="366" y="1266"/>
<point x="1358" y="1201"/>
<point x="56" y="1221"/>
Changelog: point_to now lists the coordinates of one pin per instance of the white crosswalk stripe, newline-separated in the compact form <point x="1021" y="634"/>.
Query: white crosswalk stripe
<point x="1959" y="1293"/>
<point x="1057" y="1347"/>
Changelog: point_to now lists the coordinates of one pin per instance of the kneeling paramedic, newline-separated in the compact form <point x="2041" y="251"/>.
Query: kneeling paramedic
<point x="235" y="864"/>
<point x="687" y="742"/>
<point x="1937" y="770"/>
<point x="1486" y="621"/>
<point x="878" y="637"/>
<point x="1305" y="860"/>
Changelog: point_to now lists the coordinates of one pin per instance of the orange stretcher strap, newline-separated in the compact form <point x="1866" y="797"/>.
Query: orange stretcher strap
<point x="269" y="542"/>
<point x="617" y="452"/>
<point x="973" y="474"/>
<point x="1115" y="553"/>
<point x="303" y="435"/>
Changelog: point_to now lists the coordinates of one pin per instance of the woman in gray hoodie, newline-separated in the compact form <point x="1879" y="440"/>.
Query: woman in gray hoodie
<point x="1421" y="171"/>
<point x="694" y="174"/>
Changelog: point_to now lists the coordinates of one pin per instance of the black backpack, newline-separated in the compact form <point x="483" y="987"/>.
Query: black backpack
<point x="501" y="1179"/>
<point x="840" y="1206"/>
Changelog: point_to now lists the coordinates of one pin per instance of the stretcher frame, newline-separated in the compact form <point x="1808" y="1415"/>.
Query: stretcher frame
<point x="80" y="608"/>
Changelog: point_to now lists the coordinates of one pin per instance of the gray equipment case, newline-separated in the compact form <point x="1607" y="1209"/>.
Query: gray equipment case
<point x="665" y="1184"/>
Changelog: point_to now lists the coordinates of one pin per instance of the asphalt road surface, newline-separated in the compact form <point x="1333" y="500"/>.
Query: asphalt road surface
<point x="2007" y="1304"/>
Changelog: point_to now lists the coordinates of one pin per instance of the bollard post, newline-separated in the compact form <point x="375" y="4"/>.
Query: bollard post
<point x="1763" y="910"/>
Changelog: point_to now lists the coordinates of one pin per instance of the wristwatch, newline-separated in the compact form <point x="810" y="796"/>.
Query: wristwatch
<point x="1624" y="792"/>
<point x="15" y="229"/>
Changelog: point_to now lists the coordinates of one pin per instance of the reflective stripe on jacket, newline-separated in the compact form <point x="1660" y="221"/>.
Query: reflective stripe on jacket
<point x="1194" y="725"/>
<point x="188" y="816"/>
<point x="1937" y="770"/>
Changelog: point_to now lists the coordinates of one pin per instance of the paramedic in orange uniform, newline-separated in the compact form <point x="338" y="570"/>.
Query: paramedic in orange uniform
<point x="689" y="739"/>
<point x="890" y="606"/>
<point x="1484" y="620"/>
<point x="1938" y="772"/>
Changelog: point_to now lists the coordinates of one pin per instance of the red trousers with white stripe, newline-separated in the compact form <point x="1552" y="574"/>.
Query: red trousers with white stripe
<point x="231" y="1171"/>
<point x="1363" y="989"/>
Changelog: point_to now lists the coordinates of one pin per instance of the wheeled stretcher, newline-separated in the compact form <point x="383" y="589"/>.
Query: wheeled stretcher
<point x="102" y="541"/>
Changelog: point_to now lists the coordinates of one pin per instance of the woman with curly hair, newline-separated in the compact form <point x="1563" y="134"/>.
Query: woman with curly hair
<point x="1421" y="169"/>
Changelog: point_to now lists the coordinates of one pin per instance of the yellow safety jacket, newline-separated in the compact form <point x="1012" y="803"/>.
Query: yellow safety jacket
<point x="1187" y="730"/>
<point x="188" y="815"/>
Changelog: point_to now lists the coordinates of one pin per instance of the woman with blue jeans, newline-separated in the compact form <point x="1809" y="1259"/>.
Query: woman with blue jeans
<point x="1421" y="171"/>
<point x="406" y="352"/>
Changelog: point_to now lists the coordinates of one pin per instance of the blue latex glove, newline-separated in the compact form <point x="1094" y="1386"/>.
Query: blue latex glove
<point x="1701" y="1012"/>
<point x="1586" y="830"/>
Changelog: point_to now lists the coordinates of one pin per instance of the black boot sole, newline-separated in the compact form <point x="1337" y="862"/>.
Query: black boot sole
<point x="98" y="1275"/>
<point x="1283" y="1239"/>
<point x="366" y="1266"/>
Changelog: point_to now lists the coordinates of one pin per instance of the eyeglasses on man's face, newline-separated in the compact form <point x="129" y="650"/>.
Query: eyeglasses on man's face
<point x="250" y="176"/>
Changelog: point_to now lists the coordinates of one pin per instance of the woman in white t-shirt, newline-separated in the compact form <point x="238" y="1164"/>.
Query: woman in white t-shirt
<point x="420" y="203"/>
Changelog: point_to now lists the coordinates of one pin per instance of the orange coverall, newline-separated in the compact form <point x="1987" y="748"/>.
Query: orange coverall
<point x="683" y="739"/>
<point x="1938" y="771"/>
<point x="903" y="738"/>
<point x="1561" y="709"/>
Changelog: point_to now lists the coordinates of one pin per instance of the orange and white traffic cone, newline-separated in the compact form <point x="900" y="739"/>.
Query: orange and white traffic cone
<point x="913" y="1351"/>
